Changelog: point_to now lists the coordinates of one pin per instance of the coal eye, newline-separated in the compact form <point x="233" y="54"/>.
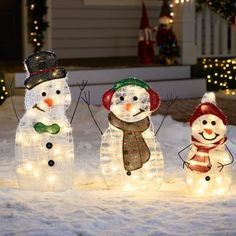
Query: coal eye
<point x="44" y="94"/>
<point x="58" y="92"/>
<point x="213" y="123"/>
<point x="135" y="98"/>
<point x="122" y="98"/>
<point x="204" y="122"/>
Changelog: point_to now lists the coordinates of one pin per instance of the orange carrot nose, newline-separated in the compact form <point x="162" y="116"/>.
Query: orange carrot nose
<point x="48" y="101"/>
<point x="208" y="131"/>
<point x="128" y="106"/>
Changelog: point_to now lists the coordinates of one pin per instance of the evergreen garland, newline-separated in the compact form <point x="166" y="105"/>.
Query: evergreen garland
<point x="3" y="90"/>
<point x="37" y="25"/>
<point x="225" y="8"/>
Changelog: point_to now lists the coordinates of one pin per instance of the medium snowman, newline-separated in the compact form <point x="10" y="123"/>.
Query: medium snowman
<point x="130" y="156"/>
<point x="44" y="143"/>
<point x="208" y="167"/>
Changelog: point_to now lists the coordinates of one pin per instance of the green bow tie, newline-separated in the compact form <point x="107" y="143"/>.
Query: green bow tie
<point x="41" y="128"/>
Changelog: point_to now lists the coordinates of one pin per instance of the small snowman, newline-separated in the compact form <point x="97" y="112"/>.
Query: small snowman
<point x="208" y="167"/>
<point x="44" y="143"/>
<point x="130" y="156"/>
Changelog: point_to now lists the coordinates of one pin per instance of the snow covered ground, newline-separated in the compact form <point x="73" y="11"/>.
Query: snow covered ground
<point x="91" y="209"/>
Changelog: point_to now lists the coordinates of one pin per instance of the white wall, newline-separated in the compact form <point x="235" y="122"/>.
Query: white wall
<point x="84" y="31"/>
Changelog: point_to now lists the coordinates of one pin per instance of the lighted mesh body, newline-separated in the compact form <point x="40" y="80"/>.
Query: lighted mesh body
<point x="212" y="182"/>
<point x="44" y="143"/>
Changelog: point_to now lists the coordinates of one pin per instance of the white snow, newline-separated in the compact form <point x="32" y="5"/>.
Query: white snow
<point x="91" y="209"/>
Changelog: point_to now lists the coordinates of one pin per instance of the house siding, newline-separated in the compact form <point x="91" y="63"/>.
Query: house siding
<point x="85" y="31"/>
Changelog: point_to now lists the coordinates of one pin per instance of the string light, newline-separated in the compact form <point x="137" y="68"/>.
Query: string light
<point x="223" y="72"/>
<point x="36" y="22"/>
<point x="3" y="91"/>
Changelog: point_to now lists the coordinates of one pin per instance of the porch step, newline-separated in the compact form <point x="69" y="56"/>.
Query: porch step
<point x="164" y="79"/>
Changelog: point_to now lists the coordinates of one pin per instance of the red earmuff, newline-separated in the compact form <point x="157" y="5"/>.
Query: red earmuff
<point x="154" y="99"/>
<point x="106" y="98"/>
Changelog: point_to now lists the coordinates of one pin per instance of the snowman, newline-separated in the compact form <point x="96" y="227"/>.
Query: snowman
<point x="208" y="167"/>
<point x="130" y="156"/>
<point x="44" y="143"/>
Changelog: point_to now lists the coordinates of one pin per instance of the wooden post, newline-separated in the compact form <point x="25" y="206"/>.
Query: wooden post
<point x="184" y="28"/>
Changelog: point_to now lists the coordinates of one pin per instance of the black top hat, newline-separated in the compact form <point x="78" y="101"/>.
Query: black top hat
<point x="42" y="67"/>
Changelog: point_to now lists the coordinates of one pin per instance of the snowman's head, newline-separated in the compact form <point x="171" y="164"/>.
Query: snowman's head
<point x="208" y="121"/>
<point x="48" y="96"/>
<point x="208" y="129"/>
<point x="131" y="100"/>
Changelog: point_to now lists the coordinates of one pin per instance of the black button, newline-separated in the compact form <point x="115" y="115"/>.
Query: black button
<point x="207" y="178"/>
<point x="49" y="145"/>
<point x="51" y="163"/>
<point x="128" y="173"/>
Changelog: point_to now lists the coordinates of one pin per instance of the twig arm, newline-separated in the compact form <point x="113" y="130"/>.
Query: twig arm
<point x="12" y="102"/>
<point x="221" y="166"/>
<point x="82" y="87"/>
<point x="170" y="103"/>
<point x="185" y="163"/>
<point x="86" y="99"/>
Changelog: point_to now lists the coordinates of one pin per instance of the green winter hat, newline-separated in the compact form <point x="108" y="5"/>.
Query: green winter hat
<point x="130" y="81"/>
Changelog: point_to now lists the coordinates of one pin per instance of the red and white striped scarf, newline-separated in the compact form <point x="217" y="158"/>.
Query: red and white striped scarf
<point x="201" y="162"/>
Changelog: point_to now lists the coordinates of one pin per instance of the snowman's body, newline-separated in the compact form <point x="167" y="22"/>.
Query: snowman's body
<point x="208" y="171"/>
<point x="212" y="182"/>
<point x="149" y="175"/>
<point x="44" y="143"/>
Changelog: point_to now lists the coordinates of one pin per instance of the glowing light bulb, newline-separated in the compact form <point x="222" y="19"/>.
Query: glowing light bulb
<point x="28" y="166"/>
<point x="51" y="179"/>
<point x="200" y="191"/>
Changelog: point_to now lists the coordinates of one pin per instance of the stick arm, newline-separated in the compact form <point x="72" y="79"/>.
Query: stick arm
<point x="12" y="101"/>
<point x="221" y="166"/>
<point x="231" y="155"/>
<point x="86" y="99"/>
<point x="179" y="154"/>
<point x="170" y="103"/>
<point x="82" y="87"/>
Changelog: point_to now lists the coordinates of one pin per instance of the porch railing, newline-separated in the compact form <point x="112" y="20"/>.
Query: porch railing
<point x="202" y="34"/>
<point x="215" y="37"/>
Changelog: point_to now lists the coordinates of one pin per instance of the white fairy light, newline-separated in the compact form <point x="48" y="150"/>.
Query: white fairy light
<point x="44" y="144"/>
<point x="130" y="105"/>
<point x="208" y="167"/>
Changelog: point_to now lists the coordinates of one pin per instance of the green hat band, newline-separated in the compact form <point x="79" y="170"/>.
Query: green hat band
<point x="130" y="81"/>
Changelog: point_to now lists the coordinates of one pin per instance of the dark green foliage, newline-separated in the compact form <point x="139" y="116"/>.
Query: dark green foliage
<point x="37" y="25"/>
<point x="220" y="73"/>
<point x="225" y="8"/>
<point x="3" y="90"/>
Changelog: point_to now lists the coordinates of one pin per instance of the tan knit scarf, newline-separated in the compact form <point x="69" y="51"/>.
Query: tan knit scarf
<point x="135" y="150"/>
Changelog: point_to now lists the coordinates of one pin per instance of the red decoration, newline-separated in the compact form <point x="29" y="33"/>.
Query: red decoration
<point x="145" y="45"/>
<point x="154" y="100"/>
<point x="106" y="99"/>
<point x="207" y="108"/>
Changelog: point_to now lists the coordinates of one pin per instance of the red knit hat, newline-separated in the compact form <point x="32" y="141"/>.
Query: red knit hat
<point x="208" y="108"/>
<point x="144" y="23"/>
<point x="165" y="10"/>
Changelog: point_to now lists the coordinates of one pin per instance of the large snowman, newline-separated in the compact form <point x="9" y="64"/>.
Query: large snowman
<point x="44" y="144"/>
<point x="131" y="158"/>
<point x="208" y="167"/>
